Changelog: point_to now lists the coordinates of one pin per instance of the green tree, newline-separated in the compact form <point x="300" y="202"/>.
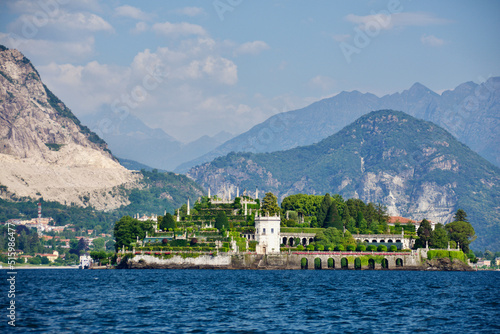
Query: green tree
<point x="460" y="216"/>
<point x="346" y="216"/>
<point x="270" y="204"/>
<point x="98" y="255"/>
<point x="323" y="209"/>
<point x="461" y="232"/>
<point x="82" y="246"/>
<point x="333" y="219"/>
<point x="439" y="237"/>
<point x="98" y="243"/>
<point x="167" y="222"/>
<point x="373" y="226"/>
<point x="359" y="219"/>
<point x="351" y="225"/>
<point x="363" y="225"/>
<point x="381" y="213"/>
<point x="45" y="260"/>
<point x="424" y="234"/>
<point x="221" y="221"/>
<point x="127" y="229"/>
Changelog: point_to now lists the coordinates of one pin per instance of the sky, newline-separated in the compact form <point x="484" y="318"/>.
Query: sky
<point x="195" y="68"/>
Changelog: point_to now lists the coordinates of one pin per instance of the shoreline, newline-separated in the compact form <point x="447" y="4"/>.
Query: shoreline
<point x="39" y="267"/>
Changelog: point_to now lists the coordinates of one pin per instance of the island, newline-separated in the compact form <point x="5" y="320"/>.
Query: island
<point x="307" y="232"/>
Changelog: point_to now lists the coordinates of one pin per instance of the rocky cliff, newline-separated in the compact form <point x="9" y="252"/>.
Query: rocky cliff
<point x="414" y="167"/>
<point x="44" y="149"/>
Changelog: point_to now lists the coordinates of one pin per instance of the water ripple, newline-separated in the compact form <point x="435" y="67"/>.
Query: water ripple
<point x="223" y="301"/>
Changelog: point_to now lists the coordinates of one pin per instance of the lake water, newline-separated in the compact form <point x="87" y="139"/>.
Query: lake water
<point x="246" y="301"/>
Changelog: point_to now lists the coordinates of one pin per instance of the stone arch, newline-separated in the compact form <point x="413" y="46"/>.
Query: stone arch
<point x="284" y="241"/>
<point x="344" y="263"/>
<point x="398" y="240"/>
<point x="304" y="263"/>
<point x="304" y="242"/>
<point x="291" y="241"/>
<point x="385" y="263"/>
<point x="382" y="240"/>
<point x="331" y="263"/>
<point x="357" y="263"/>
<point x="374" y="241"/>
<point x="311" y="240"/>
<point x="317" y="263"/>
<point x="390" y="240"/>
<point x="367" y="241"/>
<point x="371" y="263"/>
<point x="399" y="262"/>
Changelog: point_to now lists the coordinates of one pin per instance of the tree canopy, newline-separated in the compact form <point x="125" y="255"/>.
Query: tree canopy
<point x="462" y="233"/>
<point x="127" y="229"/>
<point x="221" y="221"/>
<point x="424" y="233"/>
<point x="460" y="216"/>
<point x="166" y="222"/>
<point x="270" y="204"/>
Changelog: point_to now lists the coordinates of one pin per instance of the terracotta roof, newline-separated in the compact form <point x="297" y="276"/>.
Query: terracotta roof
<point x="401" y="220"/>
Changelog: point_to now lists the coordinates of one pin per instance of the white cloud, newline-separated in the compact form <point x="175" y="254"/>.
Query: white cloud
<point x="178" y="29"/>
<point x="65" y="26"/>
<point x="85" y="88"/>
<point x="431" y="40"/>
<point x="190" y="85"/>
<point x="322" y="82"/>
<point x="140" y="27"/>
<point x="131" y="12"/>
<point x="390" y="21"/>
<point x="253" y="48"/>
<point x="45" y="51"/>
<point x="190" y="11"/>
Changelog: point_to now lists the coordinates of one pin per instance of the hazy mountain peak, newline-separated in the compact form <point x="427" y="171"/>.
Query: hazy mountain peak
<point x="474" y="122"/>
<point x="419" y="89"/>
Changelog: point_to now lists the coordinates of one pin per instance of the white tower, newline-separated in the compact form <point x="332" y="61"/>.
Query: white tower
<point x="188" y="210"/>
<point x="246" y="211"/>
<point x="256" y="193"/>
<point x="267" y="234"/>
<point x="237" y="192"/>
<point x="208" y="192"/>
<point x="178" y="215"/>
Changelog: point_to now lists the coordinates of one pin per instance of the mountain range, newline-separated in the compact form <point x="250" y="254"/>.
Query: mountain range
<point x="470" y="112"/>
<point x="414" y="167"/>
<point x="129" y="138"/>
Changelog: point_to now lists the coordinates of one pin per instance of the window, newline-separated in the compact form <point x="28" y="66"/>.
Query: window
<point x="272" y="230"/>
<point x="263" y="231"/>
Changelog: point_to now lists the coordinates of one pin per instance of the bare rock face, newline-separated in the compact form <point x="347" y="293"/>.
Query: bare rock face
<point x="445" y="264"/>
<point x="45" y="151"/>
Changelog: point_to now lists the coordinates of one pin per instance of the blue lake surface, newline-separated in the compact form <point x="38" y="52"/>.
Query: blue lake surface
<point x="248" y="301"/>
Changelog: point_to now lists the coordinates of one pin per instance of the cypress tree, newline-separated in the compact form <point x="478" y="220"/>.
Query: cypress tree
<point x="323" y="209"/>
<point x="333" y="218"/>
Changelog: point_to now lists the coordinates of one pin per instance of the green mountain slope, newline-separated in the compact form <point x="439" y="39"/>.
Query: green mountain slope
<point x="416" y="168"/>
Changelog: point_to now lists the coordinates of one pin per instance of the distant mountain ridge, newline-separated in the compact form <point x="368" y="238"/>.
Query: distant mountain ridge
<point x="414" y="167"/>
<point x="470" y="112"/>
<point x="129" y="138"/>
